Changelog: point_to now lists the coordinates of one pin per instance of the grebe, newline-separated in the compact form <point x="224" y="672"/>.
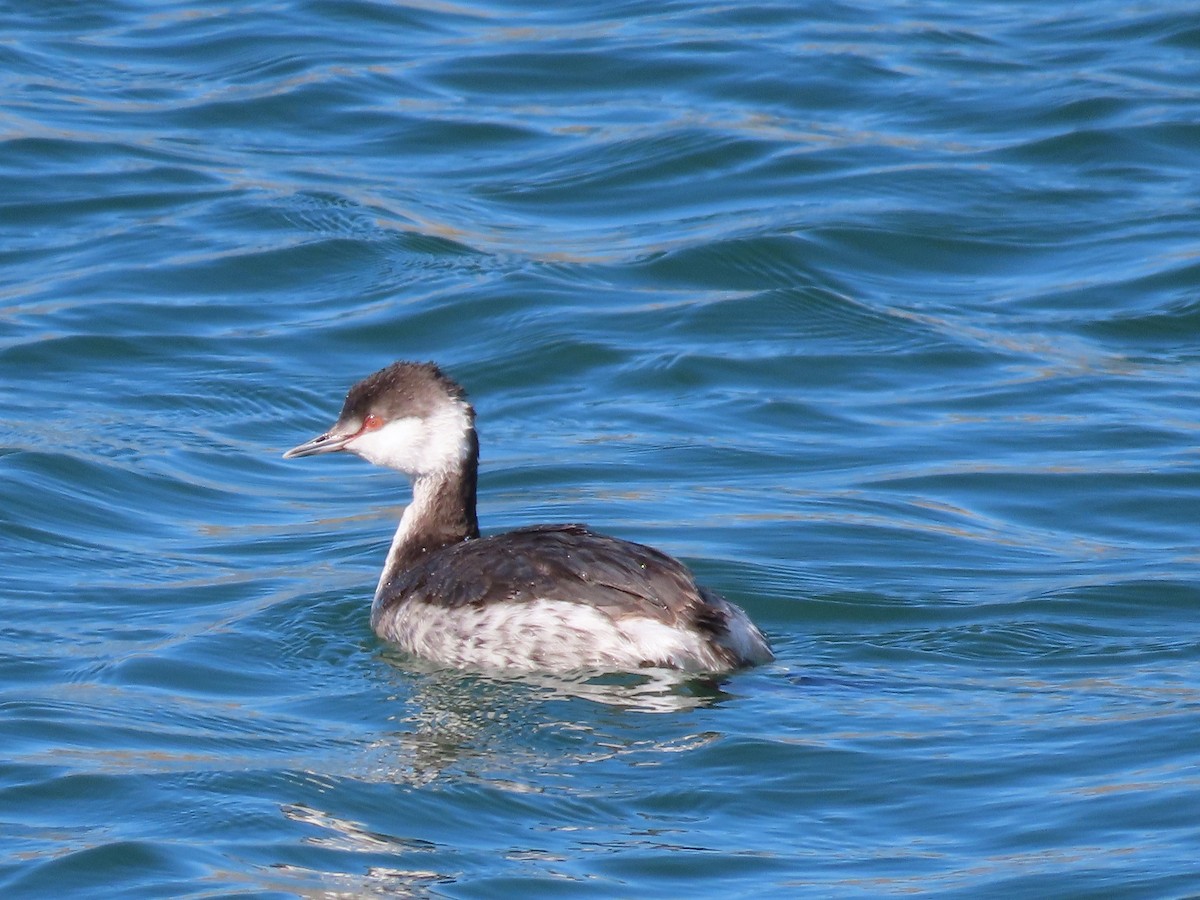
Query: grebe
<point x="545" y="598"/>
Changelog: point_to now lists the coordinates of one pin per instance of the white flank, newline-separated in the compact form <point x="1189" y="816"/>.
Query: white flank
<point x="544" y="635"/>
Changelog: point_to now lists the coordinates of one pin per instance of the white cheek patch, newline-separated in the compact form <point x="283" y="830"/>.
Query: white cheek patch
<point x="418" y="446"/>
<point x="396" y="445"/>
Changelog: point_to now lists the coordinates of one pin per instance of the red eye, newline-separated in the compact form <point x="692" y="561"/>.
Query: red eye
<point x="371" y="422"/>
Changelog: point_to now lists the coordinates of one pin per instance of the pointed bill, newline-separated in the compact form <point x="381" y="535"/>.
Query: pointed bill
<point x="325" y="443"/>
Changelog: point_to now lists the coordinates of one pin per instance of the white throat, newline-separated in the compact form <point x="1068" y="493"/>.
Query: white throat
<point x="423" y="492"/>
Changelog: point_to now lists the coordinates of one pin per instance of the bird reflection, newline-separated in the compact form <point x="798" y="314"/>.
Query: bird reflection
<point x="510" y="731"/>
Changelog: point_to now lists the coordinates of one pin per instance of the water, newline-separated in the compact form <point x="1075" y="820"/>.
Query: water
<point x="883" y="316"/>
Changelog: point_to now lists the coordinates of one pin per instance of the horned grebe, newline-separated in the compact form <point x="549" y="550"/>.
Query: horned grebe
<point x="546" y="598"/>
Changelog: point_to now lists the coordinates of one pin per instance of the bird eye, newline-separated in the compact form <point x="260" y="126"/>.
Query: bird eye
<point x="371" y="422"/>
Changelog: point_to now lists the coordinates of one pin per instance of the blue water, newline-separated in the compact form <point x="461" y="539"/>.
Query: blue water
<point x="884" y="316"/>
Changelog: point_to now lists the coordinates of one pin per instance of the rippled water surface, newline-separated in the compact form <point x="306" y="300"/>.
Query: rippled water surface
<point x="884" y="316"/>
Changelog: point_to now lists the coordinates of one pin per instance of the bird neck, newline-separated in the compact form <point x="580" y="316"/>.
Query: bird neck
<point x="442" y="512"/>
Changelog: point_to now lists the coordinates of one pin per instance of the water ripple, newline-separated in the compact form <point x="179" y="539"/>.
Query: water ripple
<point x="883" y="318"/>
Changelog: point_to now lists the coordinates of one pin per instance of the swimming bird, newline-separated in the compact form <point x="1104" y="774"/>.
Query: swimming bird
<point x="553" y="598"/>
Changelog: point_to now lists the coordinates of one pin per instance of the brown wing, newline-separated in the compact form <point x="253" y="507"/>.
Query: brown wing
<point x="561" y="562"/>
